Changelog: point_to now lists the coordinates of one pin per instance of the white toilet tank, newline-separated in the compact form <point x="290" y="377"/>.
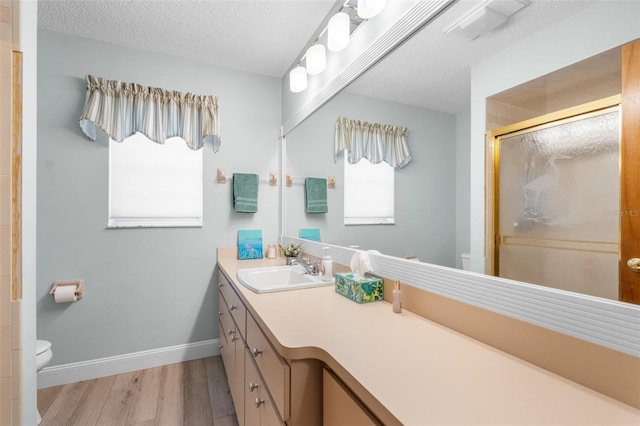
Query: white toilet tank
<point x="466" y="261"/>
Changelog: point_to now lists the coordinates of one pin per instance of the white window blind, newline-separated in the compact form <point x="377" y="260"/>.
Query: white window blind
<point x="368" y="193"/>
<point x="154" y="185"/>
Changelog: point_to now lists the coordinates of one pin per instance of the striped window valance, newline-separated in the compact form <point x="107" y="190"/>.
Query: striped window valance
<point x="373" y="141"/>
<point x="122" y="109"/>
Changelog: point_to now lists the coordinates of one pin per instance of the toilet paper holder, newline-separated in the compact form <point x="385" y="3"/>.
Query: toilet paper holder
<point x="78" y="283"/>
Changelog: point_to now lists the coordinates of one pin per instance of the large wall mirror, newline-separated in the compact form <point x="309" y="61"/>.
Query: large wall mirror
<point x="431" y="192"/>
<point x="425" y="190"/>
<point x="432" y="207"/>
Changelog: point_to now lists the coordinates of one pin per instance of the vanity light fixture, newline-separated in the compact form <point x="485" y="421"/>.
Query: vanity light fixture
<point x="298" y="79"/>
<point x="316" y="59"/>
<point x="367" y="9"/>
<point x="339" y="29"/>
<point x="338" y="32"/>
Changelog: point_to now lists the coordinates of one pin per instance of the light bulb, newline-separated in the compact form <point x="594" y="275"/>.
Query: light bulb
<point x="316" y="59"/>
<point x="338" y="32"/>
<point x="298" y="79"/>
<point x="370" y="8"/>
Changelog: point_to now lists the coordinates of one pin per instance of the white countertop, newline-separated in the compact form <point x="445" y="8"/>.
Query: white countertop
<point x="421" y="372"/>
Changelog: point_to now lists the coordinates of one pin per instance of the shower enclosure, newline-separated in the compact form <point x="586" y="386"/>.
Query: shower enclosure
<point x="556" y="215"/>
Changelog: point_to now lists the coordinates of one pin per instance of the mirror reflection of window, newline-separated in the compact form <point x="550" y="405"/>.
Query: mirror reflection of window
<point x="368" y="193"/>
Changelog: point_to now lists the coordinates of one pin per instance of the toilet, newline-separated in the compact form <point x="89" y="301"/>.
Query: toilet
<point x="43" y="357"/>
<point x="466" y="261"/>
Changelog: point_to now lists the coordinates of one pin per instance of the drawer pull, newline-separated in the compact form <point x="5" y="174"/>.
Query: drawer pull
<point x="220" y="346"/>
<point x="256" y="352"/>
<point x="232" y="307"/>
<point x="253" y="386"/>
<point x="234" y="338"/>
<point x="220" y="314"/>
<point x="259" y="402"/>
<point x="231" y="332"/>
<point x="220" y="285"/>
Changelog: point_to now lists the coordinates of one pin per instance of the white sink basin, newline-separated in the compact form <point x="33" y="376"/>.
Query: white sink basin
<point x="278" y="278"/>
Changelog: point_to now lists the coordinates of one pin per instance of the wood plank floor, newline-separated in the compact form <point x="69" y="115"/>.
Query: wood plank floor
<point x="191" y="393"/>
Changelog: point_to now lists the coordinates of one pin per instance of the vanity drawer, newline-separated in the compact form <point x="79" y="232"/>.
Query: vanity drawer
<point x="274" y="370"/>
<point x="226" y="352"/>
<point x="234" y="304"/>
<point x="258" y="408"/>
<point x="226" y="322"/>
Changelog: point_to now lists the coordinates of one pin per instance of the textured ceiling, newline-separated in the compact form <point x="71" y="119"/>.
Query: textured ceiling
<point x="263" y="37"/>
<point x="431" y="70"/>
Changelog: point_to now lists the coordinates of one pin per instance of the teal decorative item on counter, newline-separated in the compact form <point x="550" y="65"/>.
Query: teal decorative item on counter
<point x="250" y="244"/>
<point x="359" y="289"/>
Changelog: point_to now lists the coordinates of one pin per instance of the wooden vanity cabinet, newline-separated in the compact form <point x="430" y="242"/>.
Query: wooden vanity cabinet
<point x="255" y="371"/>
<point x="272" y="368"/>
<point x="269" y="390"/>
<point x="340" y="407"/>
<point x="232" y="346"/>
<point x="225" y="349"/>
<point x="258" y="405"/>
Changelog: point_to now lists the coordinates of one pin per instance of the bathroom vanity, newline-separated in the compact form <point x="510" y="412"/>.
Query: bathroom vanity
<point x="291" y="355"/>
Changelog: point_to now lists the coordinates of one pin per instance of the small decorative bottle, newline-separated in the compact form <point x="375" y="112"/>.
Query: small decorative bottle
<point x="397" y="297"/>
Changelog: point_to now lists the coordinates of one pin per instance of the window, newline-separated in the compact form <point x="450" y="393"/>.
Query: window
<point x="154" y="185"/>
<point x="368" y="193"/>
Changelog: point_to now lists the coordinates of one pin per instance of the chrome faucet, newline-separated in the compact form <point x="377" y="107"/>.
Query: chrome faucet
<point x="311" y="268"/>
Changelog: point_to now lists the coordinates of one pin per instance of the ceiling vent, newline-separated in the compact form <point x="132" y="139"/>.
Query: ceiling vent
<point x="484" y="18"/>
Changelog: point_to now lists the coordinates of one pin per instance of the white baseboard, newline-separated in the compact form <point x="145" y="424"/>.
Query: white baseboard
<point x="93" y="369"/>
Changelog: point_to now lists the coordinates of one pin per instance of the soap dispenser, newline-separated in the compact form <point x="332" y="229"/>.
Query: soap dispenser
<point x="327" y="265"/>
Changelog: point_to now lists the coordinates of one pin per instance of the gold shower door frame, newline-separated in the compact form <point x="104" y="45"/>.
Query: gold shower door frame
<point x="495" y="239"/>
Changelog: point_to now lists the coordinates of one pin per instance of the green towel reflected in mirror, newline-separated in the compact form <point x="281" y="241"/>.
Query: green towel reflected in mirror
<point x="315" y="194"/>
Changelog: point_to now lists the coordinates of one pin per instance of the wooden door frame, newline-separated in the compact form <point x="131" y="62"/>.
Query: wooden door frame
<point x="630" y="173"/>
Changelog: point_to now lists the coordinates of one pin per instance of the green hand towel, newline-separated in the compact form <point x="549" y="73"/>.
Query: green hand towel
<point x="315" y="195"/>
<point x="245" y="192"/>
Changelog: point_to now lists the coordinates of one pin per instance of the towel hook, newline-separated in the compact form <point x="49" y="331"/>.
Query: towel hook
<point x="222" y="175"/>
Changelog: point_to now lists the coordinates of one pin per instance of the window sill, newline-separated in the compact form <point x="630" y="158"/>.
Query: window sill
<point x="136" y="222"/>
<point x="369" y="221"/>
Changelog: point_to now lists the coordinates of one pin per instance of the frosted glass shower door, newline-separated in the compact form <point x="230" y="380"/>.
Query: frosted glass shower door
<point x="558" y="208"/>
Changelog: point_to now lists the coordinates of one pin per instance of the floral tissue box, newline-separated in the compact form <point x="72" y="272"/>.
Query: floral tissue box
<point x="358" y="289"/>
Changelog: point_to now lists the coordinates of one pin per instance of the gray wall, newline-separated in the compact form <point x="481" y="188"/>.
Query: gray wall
<point x="463" y="209"/>
<point x="425" y="204"/>
<point x="145" y="288"/>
